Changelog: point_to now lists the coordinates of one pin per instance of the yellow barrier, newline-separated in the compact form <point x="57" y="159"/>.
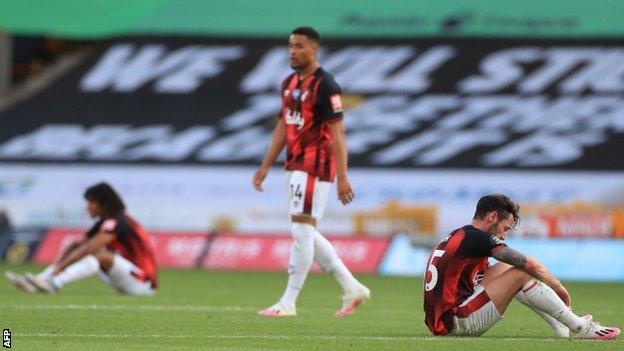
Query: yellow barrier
<point x="393" y="218"/>
<point x="617" y="216"/>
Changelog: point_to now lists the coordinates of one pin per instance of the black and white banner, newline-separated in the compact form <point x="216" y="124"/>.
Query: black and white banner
<point x="415" y="103"/>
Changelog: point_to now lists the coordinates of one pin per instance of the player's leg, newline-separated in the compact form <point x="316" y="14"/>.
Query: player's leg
<point x="489" y="301"/>
<point x="25" y="283"/>
<point x="354" y="292"/>
<point x="300" y="190"/>
<point x="46" y="274"/>
<point x="503" y="288"/>
<point x="125" y="277"/>
<point x="301" y="256"/>
<point x="300" y="261"/>
<point x="326" y="257"/>
<point x="86" y="267"/>
<point x="499" y="268"/>
<point x="475" y="315"/>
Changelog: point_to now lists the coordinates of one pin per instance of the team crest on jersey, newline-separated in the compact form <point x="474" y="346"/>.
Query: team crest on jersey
<point x="294" y="118"/>
<point x="476" y="280"/>
<point x="336" y="102"/>
<point x="296" y="93"/>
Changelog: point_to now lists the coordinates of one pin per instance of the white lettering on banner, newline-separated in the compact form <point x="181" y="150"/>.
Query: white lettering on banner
<point x="542" y="149"/>
<point x="427" y="130"/>
<point x="178" y="147"/>
<point x="185" y="247"/>
<point x="585" y="225"/>
<point x="363" y="69"/>
<point x="281" y="249"/>
<point x="125" y="68"/>
<point x="260" y="106"/>
<point x="601" y="71"/>
<point x="352" y="251"/>
<point x="268" y="73"/>
<point x="245" y="249"/>
<point x="243" y="145"/>
<point x="567" y="225"/>
<point x="366" y="69"/>
<point x="459" y="142"/>
<point x="106" y="142"/>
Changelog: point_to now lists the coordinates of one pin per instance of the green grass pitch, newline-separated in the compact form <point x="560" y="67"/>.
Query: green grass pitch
<point x="207" y="310"/>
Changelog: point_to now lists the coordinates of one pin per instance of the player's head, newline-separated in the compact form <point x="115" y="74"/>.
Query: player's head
<point x="103" y="201"/>
<point x="497" y="213"/>
<point x="303" y="45"/>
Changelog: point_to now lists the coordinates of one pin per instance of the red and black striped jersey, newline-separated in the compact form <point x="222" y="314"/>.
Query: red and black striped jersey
<point x="132" y="242"/>
<point x="456" y="265"/>
<point x="308" y="107"/>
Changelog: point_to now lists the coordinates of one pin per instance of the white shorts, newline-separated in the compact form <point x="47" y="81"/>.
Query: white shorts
<point x="307" y="195"/>
<point x="475" y="315"/>
<point x="122" y="276"/>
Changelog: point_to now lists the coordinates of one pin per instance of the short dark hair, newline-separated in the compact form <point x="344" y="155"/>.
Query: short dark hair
<point x="309" y="32"/>
<point x="105" y="196"/>
<point x="499" y="203"/>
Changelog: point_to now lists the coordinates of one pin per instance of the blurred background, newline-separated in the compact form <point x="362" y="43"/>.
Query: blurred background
<point x="173" y="102"/>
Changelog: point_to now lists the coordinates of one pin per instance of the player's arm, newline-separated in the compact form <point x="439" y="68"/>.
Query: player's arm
<point x="343" y="185"/>
<point x="71" y="247"/>
<point x="277" y="145"/>
<point x="90" y="246"/>
<point x="532" y="267"/>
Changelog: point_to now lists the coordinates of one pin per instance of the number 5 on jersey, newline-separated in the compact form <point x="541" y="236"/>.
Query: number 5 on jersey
<point x="432" y="270"/>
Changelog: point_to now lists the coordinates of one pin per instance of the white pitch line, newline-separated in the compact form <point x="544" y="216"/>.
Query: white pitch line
<point x="190" y="308"/>
<point x="130" y="307"/>
<point x="187" y="308"/>
<point x="281" y="337"/>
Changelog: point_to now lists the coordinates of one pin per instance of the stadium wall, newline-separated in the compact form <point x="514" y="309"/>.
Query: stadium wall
<point x="179" y="124"/>
<point x="567" y="259"/>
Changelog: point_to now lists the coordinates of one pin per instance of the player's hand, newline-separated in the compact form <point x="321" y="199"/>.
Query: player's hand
<point x="258" y="178"/>
<point x="564" y="295"/>
<point x="345" y="190"/>
<point x="57" y="269"/>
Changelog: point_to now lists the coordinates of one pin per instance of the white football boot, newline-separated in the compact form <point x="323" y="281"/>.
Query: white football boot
<point x="278" y="310"/>
<point x="21" y="282"/>
<point x="42" y="285"/>
<point x="351" y="300"/>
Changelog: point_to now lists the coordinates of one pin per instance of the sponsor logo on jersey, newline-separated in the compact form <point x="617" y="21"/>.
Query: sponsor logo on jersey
<point x="336" y="102"/>
<point x="496" y="240"/>
<point x="294" y="118"/>
<point x="286" y="93"/>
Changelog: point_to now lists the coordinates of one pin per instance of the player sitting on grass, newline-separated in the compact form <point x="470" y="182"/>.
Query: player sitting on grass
<point x="116" y="247"/>
<point x="464" y="296"/>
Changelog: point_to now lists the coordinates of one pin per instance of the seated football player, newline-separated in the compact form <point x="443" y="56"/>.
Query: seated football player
<point x="464" y="296"/>
<point x="116" y="248"/>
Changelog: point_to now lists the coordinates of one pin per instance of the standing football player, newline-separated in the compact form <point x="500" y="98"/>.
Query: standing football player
<point x="116" y="247"/>
<point x="464" y="296"/>
<point x="310" y="126"/>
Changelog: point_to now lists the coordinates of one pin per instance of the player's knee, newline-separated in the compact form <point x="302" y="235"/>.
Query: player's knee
<point x="105" y="259"/>
<point x="302" y="232"/>
<point x="522" y="277"/>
